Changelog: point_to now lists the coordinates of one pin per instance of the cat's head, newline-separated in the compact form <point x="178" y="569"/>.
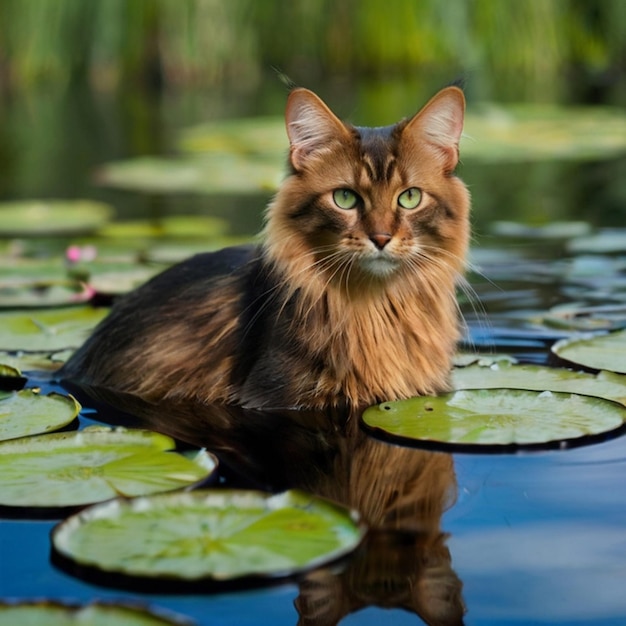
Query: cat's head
<point x="369" y="205"/>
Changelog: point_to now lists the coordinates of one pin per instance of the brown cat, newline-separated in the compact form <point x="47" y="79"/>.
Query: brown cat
<point x="350" y="297"/>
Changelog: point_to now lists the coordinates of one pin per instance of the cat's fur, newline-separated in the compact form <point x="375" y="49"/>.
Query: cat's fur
<point x="335" y="306"/>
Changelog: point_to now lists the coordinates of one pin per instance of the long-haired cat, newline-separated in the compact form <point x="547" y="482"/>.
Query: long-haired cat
<point x="348" y="300"/>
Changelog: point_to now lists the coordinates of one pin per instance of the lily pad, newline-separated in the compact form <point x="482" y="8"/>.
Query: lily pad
<point x="496" y="417"/>
<point x="192" y="226"/>
<point x="27" y="412"/>
<point x="606" y="242"/>
<point x="600" y="352"/>
<point x="13" y="364"/>
<point x="113" y="277"/>
<point x="47" y="330"/>
<point x="208" y="535"/>
<point x="254" y="135"/>
<point x="53" y="613"/>
<point x="28" y="218"/>
<point x="607" y="385"/>
<point x="72" y="469"/>
<point x="525" y="132"/>
<point x="208" y="173"/>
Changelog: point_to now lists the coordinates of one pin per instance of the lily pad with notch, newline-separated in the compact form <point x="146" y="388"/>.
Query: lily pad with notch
<point x="495" y="417"/>
<point x="27" y="412"/>
<point x="196" y="539"/>
<point x="95" y="464"/>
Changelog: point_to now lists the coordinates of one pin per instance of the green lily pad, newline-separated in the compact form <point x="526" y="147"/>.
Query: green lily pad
<point x="95" y="464"/>
<point x="527" y="132"/>
<point x="607" y="385"/>
<point x="53" y="613"/>
<point x="496" y="417"/>
<point x="552" y="230"/>
<point x="256" y="135"/>
<point x="600" y="352"/>
<point x="48" y="330"/>
<point x="205" y="535"/>
<point x="207" y="173"/>
<point x="192" y="226"/>
<point x="27" y="412"/>
<point x="113" y="277"/>
<point x="28" y="218"/>
<point x="13" y="364"/>
<point x="608" y="242"/>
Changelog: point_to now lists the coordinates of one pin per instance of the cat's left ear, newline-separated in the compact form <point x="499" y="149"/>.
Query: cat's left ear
<point x="440" y="123"/>
<point x="311" y="126"/>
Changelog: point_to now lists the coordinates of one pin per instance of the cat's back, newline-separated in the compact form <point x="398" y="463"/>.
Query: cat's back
<point x="209" y="279"/>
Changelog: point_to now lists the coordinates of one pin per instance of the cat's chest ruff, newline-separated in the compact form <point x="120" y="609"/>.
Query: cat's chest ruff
<point x="379" y="350"/>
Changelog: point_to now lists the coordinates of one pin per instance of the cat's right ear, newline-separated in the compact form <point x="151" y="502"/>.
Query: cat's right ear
<point x="311" y="127"/>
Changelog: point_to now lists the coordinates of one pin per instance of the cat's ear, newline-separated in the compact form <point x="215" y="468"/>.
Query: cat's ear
<point x="311" y="126"/>
<point x="440" y="123"/>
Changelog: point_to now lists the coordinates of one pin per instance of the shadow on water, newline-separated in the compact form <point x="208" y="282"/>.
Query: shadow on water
<point x="401" y="494"/>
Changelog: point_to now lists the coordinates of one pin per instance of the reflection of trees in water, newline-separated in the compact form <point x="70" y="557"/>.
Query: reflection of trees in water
<point x="401" y="494"/>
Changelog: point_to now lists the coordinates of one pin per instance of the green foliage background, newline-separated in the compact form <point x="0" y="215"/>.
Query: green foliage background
<point x="532" y="49"/>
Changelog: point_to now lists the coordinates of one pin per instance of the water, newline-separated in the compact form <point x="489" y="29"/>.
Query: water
<point x="517" y="538"/>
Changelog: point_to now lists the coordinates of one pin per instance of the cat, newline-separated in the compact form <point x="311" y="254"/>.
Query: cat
<point x="349" y="298"/>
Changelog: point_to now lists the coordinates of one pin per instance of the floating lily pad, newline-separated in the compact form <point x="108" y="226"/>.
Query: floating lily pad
<point x="527" y="132"/>
<point x="607" y="385"/>
<point x="209" y="173"/>
<point x="552" y="230"/>
<point x="27" y="412"/>
<point x="600" y="352"/>
<point x="48" y="330"/>
<point x="607" y="242"/>
<point x="254" y="135"/>
<point x="42" y="295"/>
<point x="192" y="226"/>
<point x="32" y="361"/>
<point x="53" y="613"/>
<point x="52" y="217"/>
<point x="208" y="535"/>
<point x="581" y="317"/>
<point x="112" y="277"/>
<point x="496" y="417"/>
<point x="71" y="469"/>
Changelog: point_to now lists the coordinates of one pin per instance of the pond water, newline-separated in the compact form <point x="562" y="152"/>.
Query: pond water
<point x="532" y="537"/>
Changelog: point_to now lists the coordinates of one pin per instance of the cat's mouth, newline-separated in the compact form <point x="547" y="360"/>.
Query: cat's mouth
<point x="381" y="264"/>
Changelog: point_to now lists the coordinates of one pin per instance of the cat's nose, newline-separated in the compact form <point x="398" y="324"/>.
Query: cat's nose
<point x="380" y="240"/>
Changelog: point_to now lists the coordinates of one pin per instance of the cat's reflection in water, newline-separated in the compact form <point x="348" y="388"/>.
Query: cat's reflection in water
<point x="401" y="493"/>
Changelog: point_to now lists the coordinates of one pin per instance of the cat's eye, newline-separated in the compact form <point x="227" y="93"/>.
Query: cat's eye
<point x="345" y="198"/>
<point x="410" y="198"/>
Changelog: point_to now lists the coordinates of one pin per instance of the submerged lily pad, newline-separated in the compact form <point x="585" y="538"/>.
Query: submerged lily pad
<point x="208" y="535"/>
<point x="27" y="412"/>
<point x="607" y="385"/>
<point x="71" y="469"/>
<point x="52" y="217"/>
<point x="47" y="330"/>
<point x="53" y="613"/>
<point x="600" y="352"/>
<point x="496" y="417"/>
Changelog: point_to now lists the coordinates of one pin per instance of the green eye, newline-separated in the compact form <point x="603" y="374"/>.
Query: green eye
<point x="410" y="198"/>
<point x="345" y="198"/>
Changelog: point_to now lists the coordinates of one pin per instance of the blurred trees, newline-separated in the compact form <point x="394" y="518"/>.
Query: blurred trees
<point x="527" y="49"/>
